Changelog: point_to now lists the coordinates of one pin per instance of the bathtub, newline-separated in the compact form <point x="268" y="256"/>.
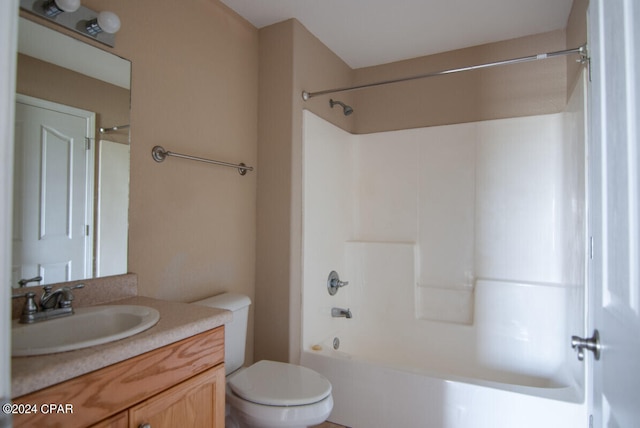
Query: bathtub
<point x="493" y="373"/>
<point x="378" y="395"/>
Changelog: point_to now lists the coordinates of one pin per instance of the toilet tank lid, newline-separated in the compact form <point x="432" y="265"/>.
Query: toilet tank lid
<point x="229" y="301"/>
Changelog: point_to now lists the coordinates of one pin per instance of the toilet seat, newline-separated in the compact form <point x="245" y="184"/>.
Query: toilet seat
<point x="273" y="383"/>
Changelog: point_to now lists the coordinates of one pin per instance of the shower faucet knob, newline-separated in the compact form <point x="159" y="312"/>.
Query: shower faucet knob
<point x="334" y="283"/>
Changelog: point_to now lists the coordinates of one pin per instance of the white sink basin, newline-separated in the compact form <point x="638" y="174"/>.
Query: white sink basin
<point x="89" y="326"/>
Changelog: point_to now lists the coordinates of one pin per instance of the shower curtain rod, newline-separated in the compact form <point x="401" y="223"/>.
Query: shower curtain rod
<point x="582" y="51"/>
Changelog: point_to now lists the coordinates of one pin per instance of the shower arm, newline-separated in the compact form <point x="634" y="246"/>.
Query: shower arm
<point x="582" y="51"/>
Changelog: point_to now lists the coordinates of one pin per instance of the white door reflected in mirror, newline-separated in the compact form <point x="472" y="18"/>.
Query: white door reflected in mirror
<point x="53" y="191"/>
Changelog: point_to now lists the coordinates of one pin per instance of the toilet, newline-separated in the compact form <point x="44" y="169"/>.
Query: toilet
<point x="267" y="394"/>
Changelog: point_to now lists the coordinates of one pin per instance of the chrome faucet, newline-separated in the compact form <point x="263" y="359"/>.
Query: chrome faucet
<point x="53" y="304"/>
<point x="341" y="313"/>
<point x="61" y="298"/>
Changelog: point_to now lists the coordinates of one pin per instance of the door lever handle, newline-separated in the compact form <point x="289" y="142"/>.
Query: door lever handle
<point x="591" y="344"/>
<point x="24" y="281"/>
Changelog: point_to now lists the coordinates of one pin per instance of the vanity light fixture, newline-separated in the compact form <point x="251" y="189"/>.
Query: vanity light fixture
<point x="70" y="14"/>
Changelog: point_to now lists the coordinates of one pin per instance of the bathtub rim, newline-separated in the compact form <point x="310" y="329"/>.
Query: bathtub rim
<point x="569" y="392"/>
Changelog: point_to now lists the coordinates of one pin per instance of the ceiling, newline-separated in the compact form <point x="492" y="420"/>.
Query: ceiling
<point x="372" y="32"/>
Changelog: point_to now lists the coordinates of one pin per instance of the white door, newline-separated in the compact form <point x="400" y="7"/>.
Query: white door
<point x="614" y="187"/>
<point x="53" y="191"/>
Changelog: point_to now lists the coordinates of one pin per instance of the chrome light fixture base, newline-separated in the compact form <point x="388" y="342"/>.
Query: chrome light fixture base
<point x="75" y="21"/>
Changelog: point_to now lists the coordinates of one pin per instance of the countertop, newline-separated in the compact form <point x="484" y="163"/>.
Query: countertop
<point x="177" y="321"/>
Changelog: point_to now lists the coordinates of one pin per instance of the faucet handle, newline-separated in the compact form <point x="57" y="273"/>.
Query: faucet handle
<point x="67" y="296"/>
<point x="30" y="306"/>
<point x="334" y="283"/>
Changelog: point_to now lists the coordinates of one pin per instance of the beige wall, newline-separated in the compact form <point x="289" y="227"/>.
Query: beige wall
<point x="194" y="90"/>
<point x="274" y="194"/>
<point x="291" y="59"/>
<point x="507" y="91"/>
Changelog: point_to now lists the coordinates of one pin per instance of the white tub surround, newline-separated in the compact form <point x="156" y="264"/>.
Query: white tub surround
<point x="499" y="199"/>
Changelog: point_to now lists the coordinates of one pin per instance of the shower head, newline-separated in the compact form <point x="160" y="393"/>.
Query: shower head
<point x="347" y="109"/>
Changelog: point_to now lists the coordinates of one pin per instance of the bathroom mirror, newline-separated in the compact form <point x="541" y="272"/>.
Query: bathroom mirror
<point x="71" y="162"/>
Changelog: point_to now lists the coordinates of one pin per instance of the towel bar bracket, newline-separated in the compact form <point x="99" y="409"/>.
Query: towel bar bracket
<point x="158" y="154"/>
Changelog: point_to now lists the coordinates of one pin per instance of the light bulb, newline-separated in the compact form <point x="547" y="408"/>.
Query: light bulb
<point x="68" y="5"/>
<point x="54" y="8"/>
<point x="109" y="22"/>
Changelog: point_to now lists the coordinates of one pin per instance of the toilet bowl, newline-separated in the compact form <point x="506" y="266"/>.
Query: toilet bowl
<point x="268" y="394"/>
<point x="274" y="394"/>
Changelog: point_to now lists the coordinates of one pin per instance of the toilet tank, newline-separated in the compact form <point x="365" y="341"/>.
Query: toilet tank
<point x="235" y="331"/>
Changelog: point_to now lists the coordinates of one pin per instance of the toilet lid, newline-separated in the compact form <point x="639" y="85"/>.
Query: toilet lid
<point x="279" y="384"/>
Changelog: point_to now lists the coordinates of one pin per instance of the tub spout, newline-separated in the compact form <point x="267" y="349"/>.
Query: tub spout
<point x="341" y="313"/>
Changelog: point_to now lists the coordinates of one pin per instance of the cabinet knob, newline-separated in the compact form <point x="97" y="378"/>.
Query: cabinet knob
<point x="145" y="425"/>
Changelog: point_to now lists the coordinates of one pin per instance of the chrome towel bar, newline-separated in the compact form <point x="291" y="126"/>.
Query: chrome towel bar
<point x="159" y="154"/>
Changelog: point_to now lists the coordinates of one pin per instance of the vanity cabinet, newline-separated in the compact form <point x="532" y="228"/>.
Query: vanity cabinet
<point x="181" y="384"/>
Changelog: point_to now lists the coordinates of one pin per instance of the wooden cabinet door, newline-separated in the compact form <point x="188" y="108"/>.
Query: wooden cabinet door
<point x="197" y="403"/>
